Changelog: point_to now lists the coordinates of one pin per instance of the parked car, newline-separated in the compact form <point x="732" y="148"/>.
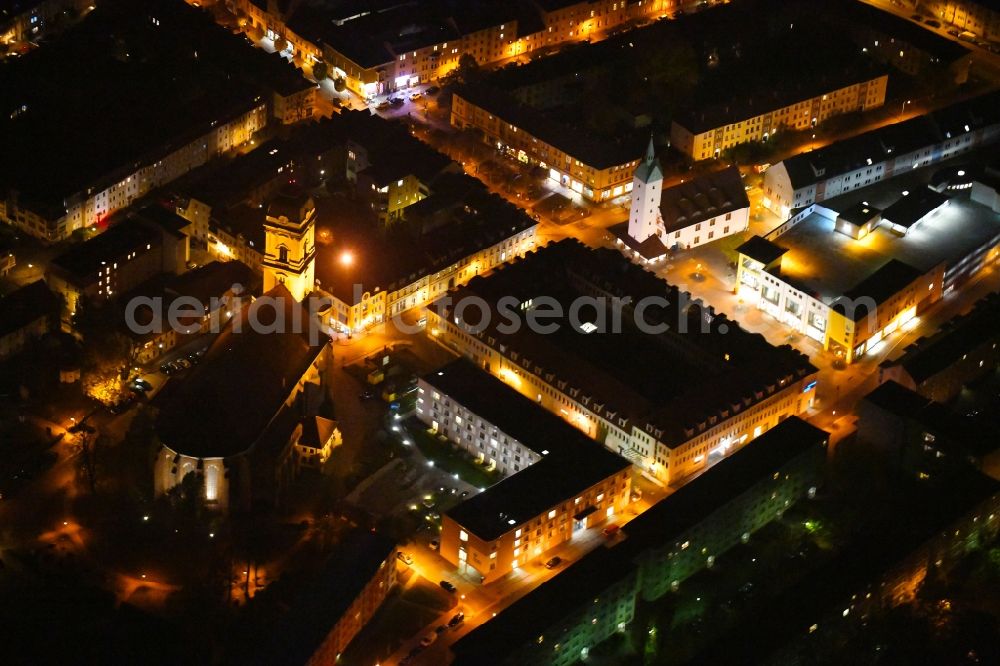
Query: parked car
<point x="916" y="17"/>
<point x="448" y="586"/>
<point x="397" y="101"/>
<point x="140" y="385"/>
<point x="553" y="563"/>
<point x="954" y="32"/>
<point x="611" y="530"/>
<point x="440" y="629"/>
<point x="182" y="363"/>
<point x="456" y="619"/>
<point x="428" y="639"/>
<point x="432" y="90"/>
<point x="382" y="106"/>
<point x="415" y="96"/>
<point x="434" y="544"/>
<point x="366" y="395"/>
<point x="405" y="558"/>
<point x="932" y="23"/>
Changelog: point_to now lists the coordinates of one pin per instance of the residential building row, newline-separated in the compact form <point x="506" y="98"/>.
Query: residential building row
<point x="558" y="481"/>
<point x="704" y="134"/>
<point x="980" y="17"/>
<point x="560" y="621"/>
<point x="963" y="350"/>
<point x="197" y="107"/>
<point x="143" y="245"/>
<point x="698" y="211"/>
<point x="660" y="379"/>
<point x="924" y="438"/>
<point x="380" y="50"/>
<point x="879" y="154"/>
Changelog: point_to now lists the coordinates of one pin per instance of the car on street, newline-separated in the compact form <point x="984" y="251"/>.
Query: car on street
<point x="405" y="558"/>
<point x="415" y="96"/>
<point x="397" y="101"/>
<point x="954" y="32"/>
<point x="434" y="544"/>
<point x="611" y="530"/>
<point x="440" y="629"/>
<point x="182" y="363"/>
<point x="428" y="639"/>
<point x="366" y="395"/>
<point x="382" y="106"/>
<point x="428" y="502"/>
<point x="448" y="586"/>
<point x="553" y="563"/>
<point x="456" y="619"/>
<point x="932" y="23"/>
<point x="140" y="385"/>
<point x="167" y="369"/>
<point x="432" y="90"/>
<point x="916" y="17"/>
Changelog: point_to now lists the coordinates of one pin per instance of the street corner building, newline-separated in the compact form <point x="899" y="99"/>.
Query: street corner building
<point x="245" y="420"/>
<point x="676" y="389"/>
<point x="560" y="482"/>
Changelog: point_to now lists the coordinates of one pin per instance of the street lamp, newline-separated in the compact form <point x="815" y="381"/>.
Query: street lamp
<point x="346" y="258"/>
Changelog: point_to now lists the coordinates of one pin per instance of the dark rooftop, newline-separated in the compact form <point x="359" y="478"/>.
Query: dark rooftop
<point x="85" y="259"/>
<point x="724" y="482"/>
<point x="524" y="495"/>
<point x="541" y="610"/>
<point x="897" y="139"/>
<point x="957" y="337"/>
<point x="890" y="279"/>
<point x="544" y="608"/>
<point x="597" y="153"/>
<point x="703" y="198"/>
<point x="760" y="249"/>
<point x="913" y="207"/>
<point x="859" y="214"/>
<point x="356" y="561"/>
<point x="669" y="383"/>
<point x="137" y="91"/>
<point x="649" y="249"/>
<point x="229" y="400"/>
<point x="510" y="411"/>
<point x="27" y="305"/>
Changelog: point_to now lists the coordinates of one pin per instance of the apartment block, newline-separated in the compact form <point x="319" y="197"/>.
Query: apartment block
<point x="562" y="620"/>
<point x="559" y="482"/>
<point x="666" y="388"/>
<point x="880" y="154"/>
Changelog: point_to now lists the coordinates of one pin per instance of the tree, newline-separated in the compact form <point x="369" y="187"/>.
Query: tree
<point x="339" y="84"/>
<point x="108" y="353"/>
<point x="468" y="69"/>
<point x="321" y="71"/>
<point x="280" y="44"/>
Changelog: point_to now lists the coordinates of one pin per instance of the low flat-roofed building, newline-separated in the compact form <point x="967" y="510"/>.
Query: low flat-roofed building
<point x="963" y="350"/>
<point x="986" y="186"/>
<point x="27" y="313"/>
<point x="913" y="208"/>
<point x="560" y="481"/>
<point x="674" y="388"/>
<point x="880" y="154"/>
<point x="561" y="620"/>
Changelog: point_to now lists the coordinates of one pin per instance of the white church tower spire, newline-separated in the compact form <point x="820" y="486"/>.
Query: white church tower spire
<point x="647" y="187"/>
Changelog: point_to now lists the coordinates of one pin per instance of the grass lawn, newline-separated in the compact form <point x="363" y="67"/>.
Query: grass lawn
<point x="449" y="458"/>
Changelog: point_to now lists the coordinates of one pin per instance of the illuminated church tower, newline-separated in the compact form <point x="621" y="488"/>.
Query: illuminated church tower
<point x="647" y="187"/>
<point x="290" y="244"/>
